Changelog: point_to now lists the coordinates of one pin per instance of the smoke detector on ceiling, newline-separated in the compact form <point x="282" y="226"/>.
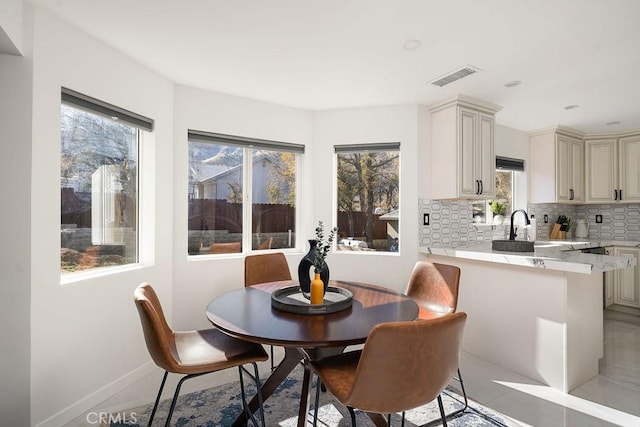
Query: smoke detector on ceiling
<point x="455" y="75"/>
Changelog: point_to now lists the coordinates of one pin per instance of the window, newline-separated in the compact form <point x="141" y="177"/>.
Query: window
<point x="368" y="207"/>
<point x="242" y="194"/>
<point x="507" y="171"/>
<point x="98" y="183"/>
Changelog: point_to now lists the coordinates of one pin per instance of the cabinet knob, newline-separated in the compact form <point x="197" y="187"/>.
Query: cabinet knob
<point x="571" y="194"/>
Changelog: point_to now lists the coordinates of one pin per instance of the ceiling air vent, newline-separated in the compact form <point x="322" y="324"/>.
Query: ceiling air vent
<point x="451" y="77"/>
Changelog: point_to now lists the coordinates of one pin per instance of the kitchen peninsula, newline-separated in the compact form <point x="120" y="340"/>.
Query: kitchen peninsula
<point x="537" y="313"/>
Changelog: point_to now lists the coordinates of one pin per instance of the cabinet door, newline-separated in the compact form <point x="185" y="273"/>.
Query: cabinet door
<point x="629" y="173"/>
<point x="564" y="155"/>
<point x="576" y="171"/>
<point x="486" y="156"/>
<point x="601" y="177"/>
<point x="626" y="279"/>
<point x="468" y="156"/>
<point x="569" y="169"/>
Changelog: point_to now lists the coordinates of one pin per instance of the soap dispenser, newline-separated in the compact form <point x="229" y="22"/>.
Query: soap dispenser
<point x="531" y="232"/>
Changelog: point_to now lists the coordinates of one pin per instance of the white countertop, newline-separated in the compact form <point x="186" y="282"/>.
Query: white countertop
<point x="562" y="255"/>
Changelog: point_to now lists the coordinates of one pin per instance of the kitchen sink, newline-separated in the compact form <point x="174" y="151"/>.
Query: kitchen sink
<point x="512" y="245"/>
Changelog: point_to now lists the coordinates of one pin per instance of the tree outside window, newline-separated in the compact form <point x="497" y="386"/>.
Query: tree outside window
<point x="504" y="189"/>
<point x="368" y="199"/>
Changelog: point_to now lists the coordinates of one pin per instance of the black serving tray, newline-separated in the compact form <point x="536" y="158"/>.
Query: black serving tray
<point x="290" y="299"/>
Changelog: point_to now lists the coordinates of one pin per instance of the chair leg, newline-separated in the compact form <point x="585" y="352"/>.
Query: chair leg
<point x="353" y="416"/>
<point x="442" y="415"/>
<point x="315" y="409"/>
<point x="259" y="391"/>
<point x="175" y="397"/>
<point x="245" y="405"/>
<point x="464" y="393"/>
<point x="255" y="376"/>
<point x="155" y="405"/>
<point x="458" y="412"/>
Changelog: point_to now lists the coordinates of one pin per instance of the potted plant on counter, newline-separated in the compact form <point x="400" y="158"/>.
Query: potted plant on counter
<point x="498" y="209"/>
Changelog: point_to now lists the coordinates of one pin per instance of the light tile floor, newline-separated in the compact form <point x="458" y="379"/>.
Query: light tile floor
<point x="610" y="399"/>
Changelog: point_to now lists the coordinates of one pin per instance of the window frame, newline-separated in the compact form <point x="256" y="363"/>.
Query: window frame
<point x="249" y="145"/>
<point x="143" y="128"/>
<point x="366" y="147"/>
<point x="517" y="168"/>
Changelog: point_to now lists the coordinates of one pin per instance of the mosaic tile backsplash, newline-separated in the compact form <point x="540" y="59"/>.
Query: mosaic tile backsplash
<point x="451" y="222"/>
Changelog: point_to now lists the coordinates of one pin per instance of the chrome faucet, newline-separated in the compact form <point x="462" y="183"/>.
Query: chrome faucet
<point x="512" y="232"/>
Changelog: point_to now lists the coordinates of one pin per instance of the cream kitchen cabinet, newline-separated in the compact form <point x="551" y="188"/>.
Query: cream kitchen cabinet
<point x="625" y="281"/>
<point x="556" y="166"/>
<point x="463" y="161"/>
<point x="612" y="173"/>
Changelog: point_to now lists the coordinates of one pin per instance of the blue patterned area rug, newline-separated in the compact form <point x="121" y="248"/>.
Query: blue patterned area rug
<point x="219" y="406"/>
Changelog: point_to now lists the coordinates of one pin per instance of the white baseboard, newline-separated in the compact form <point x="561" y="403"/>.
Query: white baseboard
<point x="85" y="404"/>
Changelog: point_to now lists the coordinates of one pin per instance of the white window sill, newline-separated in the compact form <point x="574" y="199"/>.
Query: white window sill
<point x="484" y="225"/>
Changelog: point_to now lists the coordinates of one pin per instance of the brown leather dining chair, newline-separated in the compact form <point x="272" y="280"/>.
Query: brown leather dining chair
<point x="265" y="268"/>
<point x="434" y="287"/>
<point x="402" y="365"/>
<point x="193" y="353"/>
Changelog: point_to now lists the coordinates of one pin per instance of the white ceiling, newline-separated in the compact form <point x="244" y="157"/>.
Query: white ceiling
<point x="330" y="54"/>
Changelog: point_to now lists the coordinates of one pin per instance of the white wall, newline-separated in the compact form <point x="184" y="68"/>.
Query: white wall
<point x="86" y="338"/>
<point x="15" y="261"/>
<point x="366" y="125"/>
<point x="423" y="153"/>
<point x="511" y="142"/>
<point x="199" y="279"/>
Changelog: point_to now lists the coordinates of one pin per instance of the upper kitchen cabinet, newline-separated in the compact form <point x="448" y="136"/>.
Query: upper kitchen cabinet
<point x="462" y="149"/>
<point x="612" y="173"/>
<point x="556" y="169"/>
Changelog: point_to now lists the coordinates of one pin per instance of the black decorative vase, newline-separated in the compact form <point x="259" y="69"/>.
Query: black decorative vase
<point x="305" y="266"/>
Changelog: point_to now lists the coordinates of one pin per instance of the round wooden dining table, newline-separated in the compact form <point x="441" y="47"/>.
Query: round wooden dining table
<point x="247" y="313"/>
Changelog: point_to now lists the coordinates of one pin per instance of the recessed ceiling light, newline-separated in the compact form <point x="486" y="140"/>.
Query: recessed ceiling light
<point x="571" y="107"/>
<point x="616" y="122"/>
<point x="513" y="83"/>
<point x="412" y="44"/>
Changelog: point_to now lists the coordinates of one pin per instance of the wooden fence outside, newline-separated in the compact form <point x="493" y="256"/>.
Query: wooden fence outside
<point x="207" y="214"/>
